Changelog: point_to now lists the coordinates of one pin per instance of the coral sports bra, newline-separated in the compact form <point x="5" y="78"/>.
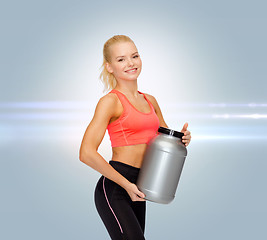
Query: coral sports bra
<point x="132" y="127"/>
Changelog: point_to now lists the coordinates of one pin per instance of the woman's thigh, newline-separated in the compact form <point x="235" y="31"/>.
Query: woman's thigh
<point x="123" y="218"/>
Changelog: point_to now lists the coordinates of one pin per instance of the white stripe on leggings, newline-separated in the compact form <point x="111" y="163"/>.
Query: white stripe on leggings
<point x="110" y="206"/>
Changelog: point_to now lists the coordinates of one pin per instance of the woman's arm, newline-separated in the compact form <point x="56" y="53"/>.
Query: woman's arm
<point x="105" y="110"/>
<point x="187" y="134"/>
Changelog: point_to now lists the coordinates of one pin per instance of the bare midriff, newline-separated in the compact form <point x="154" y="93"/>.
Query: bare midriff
<point x="131" y="155"/>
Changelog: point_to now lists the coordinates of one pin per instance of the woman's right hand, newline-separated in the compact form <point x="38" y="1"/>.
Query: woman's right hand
<point x="134" y="193"/>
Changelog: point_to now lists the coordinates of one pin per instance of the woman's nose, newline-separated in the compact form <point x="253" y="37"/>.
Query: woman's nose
<point x="130" y="62"/>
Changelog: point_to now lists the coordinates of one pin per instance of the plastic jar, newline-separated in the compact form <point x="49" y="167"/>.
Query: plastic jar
<point x="162" y="166"/>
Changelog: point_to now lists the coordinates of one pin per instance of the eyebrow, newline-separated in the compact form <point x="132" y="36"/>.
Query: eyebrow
<point x="124" y="56"/>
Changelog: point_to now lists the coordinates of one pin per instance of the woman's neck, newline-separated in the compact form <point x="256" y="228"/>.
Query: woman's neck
<point x="129" y="88"/>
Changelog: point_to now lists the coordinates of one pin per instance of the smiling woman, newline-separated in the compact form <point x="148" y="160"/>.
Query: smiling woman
<point x="132" y="118"/>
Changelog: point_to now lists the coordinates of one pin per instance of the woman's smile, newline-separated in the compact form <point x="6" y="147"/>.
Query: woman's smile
<point x="133" y="70"/>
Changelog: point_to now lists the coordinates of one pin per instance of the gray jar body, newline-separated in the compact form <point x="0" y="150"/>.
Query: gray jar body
<point x="161" y="168"/>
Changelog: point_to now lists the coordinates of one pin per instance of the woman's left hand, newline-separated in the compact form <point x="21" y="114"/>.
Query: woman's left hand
<point x="187" y="135"/>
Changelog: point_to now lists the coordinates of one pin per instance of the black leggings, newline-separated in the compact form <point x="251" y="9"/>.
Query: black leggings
<point x="123" y="218"/>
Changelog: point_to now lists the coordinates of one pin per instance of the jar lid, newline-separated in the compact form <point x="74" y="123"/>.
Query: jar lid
<point x="170" y="132"/>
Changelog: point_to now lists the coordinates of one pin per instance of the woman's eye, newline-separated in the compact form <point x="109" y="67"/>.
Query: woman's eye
<point x="136" y="56"/>
<point x="120" y="60"/>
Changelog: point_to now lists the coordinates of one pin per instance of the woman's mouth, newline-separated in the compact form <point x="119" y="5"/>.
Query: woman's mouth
<point x="131" y="70"/>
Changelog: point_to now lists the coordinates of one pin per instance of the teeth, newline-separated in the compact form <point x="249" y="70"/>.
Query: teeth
<point x="131" y="70"/>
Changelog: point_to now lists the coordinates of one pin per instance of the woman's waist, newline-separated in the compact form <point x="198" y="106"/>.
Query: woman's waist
<point x="131" y="163"/>
<point x="130" y="155"/>
<point x="128" y="171"/>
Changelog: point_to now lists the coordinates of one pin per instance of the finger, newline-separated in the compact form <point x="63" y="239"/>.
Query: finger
<point x="184" y="127"/>
<point x="186" y="140"/>
<point x="141" y="199"/>
<point x="138" y="198"/>
<point x="140" y="194"/>
<point x="188" y="137"/>
<point x="187" y="133"/>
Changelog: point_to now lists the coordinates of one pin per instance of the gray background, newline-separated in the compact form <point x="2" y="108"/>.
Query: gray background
<point x="204" y="61"/>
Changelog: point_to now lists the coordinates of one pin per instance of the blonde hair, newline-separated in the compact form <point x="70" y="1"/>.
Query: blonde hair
<point x="107" y="78"/>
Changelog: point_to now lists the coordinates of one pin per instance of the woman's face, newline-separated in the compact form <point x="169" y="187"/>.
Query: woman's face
<point x="125" y="61"/>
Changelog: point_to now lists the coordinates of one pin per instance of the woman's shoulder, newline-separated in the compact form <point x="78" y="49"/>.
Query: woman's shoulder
<point x="151" y="98"/>
<point x="107" y="101"/>
<point x="153" y="101"/>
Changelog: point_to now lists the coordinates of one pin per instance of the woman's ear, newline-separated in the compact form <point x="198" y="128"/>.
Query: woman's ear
<point x="109" y="68"/>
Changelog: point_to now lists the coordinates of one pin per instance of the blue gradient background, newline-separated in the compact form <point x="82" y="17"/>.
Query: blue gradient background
<point x="204" y="61"/>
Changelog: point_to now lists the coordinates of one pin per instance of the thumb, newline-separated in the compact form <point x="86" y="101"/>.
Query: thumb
<point x="184" y="127"/>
